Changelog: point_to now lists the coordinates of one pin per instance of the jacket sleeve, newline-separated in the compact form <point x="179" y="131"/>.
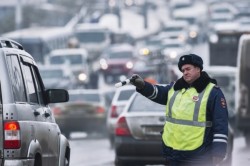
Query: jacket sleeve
<point x="156" y="93"/>
<point x="220" y="124"/>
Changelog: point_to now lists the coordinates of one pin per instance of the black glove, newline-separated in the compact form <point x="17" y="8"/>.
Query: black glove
<point x="137" y="81"/>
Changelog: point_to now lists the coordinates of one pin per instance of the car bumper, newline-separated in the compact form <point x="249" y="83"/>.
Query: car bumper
<point x="128" y="149"/>
<point x="20" y="162"/>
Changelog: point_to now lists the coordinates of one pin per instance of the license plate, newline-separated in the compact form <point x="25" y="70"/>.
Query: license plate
<point x="115" y="71"/>
<point x="152" y="130"/>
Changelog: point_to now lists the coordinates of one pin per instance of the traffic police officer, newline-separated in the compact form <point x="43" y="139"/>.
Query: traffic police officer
<point x="196" y="128"/>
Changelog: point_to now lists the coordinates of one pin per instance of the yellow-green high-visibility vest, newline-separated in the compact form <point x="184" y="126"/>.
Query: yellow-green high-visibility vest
<point x="186" y="118"/>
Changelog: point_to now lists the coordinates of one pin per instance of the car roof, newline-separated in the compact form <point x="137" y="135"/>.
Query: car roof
<point x="133" y="97"/>
<point x="67" y="51"/>
<point x="119" y="91"/>
<point x="90" y="27"/>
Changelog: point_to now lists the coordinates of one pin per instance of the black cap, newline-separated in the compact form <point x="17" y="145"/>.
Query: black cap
<point x="190" y="59"/>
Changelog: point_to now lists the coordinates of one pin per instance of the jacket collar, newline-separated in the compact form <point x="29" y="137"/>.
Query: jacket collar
<point x="199" y="84"/>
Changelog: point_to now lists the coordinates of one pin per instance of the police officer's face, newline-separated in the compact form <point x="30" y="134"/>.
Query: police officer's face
<point x="190" y="73"/>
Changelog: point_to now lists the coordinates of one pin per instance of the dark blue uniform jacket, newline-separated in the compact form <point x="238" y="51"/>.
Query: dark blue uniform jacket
<point x="215" y="141"/>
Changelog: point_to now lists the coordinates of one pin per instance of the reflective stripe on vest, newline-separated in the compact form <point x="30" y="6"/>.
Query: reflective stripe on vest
<point x="186" y="118"/>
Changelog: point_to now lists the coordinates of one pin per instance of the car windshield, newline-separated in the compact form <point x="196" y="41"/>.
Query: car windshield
<point x="142" y="104"/>
<point x="73" y="59"/>
<point x="120" y="55"/>
<point x="48" y="74"/>
<point x="91" y="97"/>
<point x="153" y="42"/>
<point x="223" y="81"/>
<point x="125" y="95"/>
<point x="172" y="45"/>
<point x="91" y="37"/>
<point x="173" y="29"/>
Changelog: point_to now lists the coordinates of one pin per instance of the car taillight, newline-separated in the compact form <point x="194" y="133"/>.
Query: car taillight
<point x="56" y="110"/>
<point x="122" y="127"/>
<point x="12" y="135"/>
<point x="100" y="110"/>
<point x="114" y="113"/>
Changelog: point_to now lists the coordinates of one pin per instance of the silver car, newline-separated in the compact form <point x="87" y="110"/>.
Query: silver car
<point x="118" y="103"/>
<point x="137" y="133"/>
<point x="29" y="134"/>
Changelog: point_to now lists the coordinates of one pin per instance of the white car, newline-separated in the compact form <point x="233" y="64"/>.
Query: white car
<point x="77" y="61"/>
<point x="120" y="99"/>
<point x="57" y="76"/>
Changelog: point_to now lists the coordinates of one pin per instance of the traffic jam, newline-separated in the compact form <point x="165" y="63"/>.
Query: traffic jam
<point x="124" y="83"/>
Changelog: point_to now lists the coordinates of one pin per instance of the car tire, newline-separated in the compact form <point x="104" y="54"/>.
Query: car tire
<point x="118" y="162"/>
<point x="112" y="141"/>
<point x="66" y="161"/>
<point x="38" y="160"/>
<point x="247" y="138"/>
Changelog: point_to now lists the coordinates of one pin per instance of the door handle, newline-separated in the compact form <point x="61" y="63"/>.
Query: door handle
<point x="46" y="114"/>
<point x="36" y="113"/>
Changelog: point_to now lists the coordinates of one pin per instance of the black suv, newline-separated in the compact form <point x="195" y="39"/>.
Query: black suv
<point x="29" y="134"/>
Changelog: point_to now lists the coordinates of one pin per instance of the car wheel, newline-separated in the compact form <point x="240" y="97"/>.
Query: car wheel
<point x="118" y="162"/>
<point x="112" y="141"/>
<point x="38" y="160"/>
<point x="247" y="138"/>
<point x="66" y="161"/>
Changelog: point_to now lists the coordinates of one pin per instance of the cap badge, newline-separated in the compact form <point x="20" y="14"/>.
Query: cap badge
<point x="195" y="98"/>
<point x="183" y="59"/>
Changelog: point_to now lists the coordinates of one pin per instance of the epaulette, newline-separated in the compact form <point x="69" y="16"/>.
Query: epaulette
<point x="216" y="86"/>
<point x="172" y="83"/>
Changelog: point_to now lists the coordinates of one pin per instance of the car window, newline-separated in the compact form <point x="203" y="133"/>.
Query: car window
<point x="51" y="73"/>
<point x="125" y="95"/>
<point x="223" y="81"/>
<point x="30" y="83"/>
<point x="73" y="59"/>
<point x="142" y="104"/>
<point x="85" y="97"/>
<point x="17" y="81"/>
<point x="38" y="85"/>
<point x="120" y="54"/>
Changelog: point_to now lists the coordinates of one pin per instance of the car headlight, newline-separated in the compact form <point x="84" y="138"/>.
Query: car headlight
<point x="173" y="54"/>
<point x="129" y="65"/>
<point x="182" y="37"/>
<point x="213" y="39"/>
<point x="82" y="77"/>
<point x="103" y="64"/>
<point x="144" y="51"/>
<point x="193" y="34"/>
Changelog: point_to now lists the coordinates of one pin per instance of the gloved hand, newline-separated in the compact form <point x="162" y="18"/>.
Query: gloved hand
<point x="137" y="81"/>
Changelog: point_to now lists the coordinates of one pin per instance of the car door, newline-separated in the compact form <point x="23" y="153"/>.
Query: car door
<point x="53" y="129"/>
<point x="36" y="104"/>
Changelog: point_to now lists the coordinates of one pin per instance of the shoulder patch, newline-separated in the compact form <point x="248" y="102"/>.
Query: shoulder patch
<point x="223" y="103"/>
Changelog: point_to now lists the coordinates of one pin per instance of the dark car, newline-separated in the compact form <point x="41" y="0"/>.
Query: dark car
<point x="116" y="61"/>
<point x="85" y="111"/>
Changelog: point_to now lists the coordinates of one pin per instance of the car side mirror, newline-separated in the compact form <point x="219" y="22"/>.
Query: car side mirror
<point x="56" y="95"/>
